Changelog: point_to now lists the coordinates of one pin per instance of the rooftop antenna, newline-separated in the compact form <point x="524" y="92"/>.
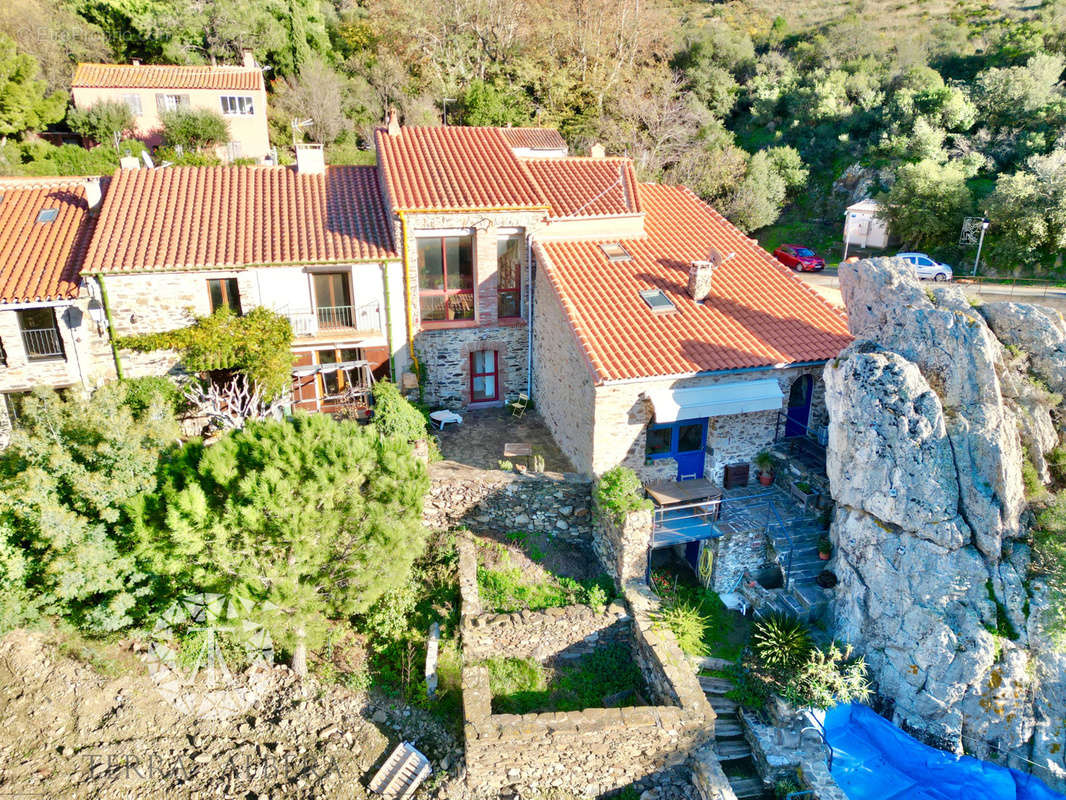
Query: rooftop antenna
<point x="297" y="126"/>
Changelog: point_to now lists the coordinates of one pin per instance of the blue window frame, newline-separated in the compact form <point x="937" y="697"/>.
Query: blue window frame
<point x="684" y="441"/>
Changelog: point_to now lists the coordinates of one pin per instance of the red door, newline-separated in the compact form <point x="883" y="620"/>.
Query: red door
<point x="484" y="377"/>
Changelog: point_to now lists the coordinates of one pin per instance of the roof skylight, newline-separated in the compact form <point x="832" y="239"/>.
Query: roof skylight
<point x="47" y="215"/>
<point x="658" y="302"/>
<point x="615" y="252"/>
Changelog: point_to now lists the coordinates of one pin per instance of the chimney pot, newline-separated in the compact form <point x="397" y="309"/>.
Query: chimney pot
<point x="699" y="280"/>
<point x="598" y="151"/>
<point x="394" y="122"/>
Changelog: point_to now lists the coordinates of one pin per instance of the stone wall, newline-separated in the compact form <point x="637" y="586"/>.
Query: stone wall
<point x="562" y="377"/>
<point x="570" y="632"/>
<point x="622" y="547"/>
<point x="736" y="551"/>
<point x="505" y="501"/>
<point x="594" y="750"/>
<point x="623" y="413"/>
<point x="445" y="357"/>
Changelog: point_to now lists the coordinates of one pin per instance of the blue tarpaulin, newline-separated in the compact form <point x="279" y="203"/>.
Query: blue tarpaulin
<point x="875" y="760"/>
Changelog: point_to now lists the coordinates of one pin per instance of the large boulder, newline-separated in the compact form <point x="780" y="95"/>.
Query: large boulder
<point x="930" y="418"/>
<point x="1036" y="330"/>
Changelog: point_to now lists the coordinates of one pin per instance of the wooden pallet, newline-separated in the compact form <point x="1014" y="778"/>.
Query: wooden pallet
<point x="401" y="773"/>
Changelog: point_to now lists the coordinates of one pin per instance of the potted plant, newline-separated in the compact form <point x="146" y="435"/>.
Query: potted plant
<point x="825" y="548"/>
<point x="765" y="464"/>
<point x="805" y="493"/>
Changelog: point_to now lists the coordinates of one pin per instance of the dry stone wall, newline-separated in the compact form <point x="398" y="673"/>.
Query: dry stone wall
<point x="594" y="750"/>
<point x="568" y="632"/>
<point x="503" y="501"/>
<point x="622" y="546"/>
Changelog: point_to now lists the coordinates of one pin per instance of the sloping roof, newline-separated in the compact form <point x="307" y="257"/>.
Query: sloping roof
<point x="758" y="314"/>
<point x="453" y="168"/>
<point x="166" y="76"/>
<point x="40" y="261"/>
<point x="586" y="187"/>
<point x="225" y="217"/>
<point x="534" y="138"/>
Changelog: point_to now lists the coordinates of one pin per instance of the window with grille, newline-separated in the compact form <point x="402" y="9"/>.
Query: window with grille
<point x="40" y="334"/>
<point x="171" y="102"/>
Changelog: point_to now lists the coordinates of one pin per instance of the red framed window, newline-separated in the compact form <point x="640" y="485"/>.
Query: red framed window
<point x="446" y="278"/>
<point x="509" y="277"/>
<point x="484" y="376"/>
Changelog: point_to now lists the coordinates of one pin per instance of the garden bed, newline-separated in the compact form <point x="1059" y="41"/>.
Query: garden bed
<point x="531" y="571"/>
<point x="606" y="678"/>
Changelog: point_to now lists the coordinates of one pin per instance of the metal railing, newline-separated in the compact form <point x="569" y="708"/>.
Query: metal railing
<point x="42" y="343"/>
<point x="818" y="436"/>
<point x="366" y="317"/>
<point x="1009" y="287"/>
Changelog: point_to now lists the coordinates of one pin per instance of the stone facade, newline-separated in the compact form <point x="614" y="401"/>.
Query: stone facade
<point x="594" y="750"/>
<point x="736" y="551"/>
<point x="504" y="501"/>
<point x="444" y="348"/>
<point x="87" y="360"/>
<point x="622" y="547"/>
<point x="562" y="377"/>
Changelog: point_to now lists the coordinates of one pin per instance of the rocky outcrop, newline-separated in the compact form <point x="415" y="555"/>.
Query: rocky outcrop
<point x="931" y="418"/>
<point x="1037" y="331"/>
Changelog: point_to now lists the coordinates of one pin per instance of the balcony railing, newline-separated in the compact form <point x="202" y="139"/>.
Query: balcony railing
<point x="42" y="343"/>
<point x="366" y="317"/>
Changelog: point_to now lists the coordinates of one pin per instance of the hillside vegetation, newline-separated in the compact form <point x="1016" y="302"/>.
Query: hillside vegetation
<point x="778" y="114"/>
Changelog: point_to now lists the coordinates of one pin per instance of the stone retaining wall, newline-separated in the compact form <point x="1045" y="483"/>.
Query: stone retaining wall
<point x="622" y="547"/>
<point x="587" y="752"/>
<point x="570" y="632"/>
<point x="547" y="502"/>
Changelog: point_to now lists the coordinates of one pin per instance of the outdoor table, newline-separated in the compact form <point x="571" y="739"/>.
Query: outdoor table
<point x="518" y="450"/>
<point x="675" y="493"/>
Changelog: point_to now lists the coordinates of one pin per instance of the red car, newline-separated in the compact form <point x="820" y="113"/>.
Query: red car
<point x="800" y="258"/>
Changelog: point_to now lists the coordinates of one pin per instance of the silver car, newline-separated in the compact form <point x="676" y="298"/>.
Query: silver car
<point x="927" y="268"/>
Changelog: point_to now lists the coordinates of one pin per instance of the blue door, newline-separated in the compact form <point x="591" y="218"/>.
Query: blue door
<point x="799" y="406"/>
<point x="684" y="441"/>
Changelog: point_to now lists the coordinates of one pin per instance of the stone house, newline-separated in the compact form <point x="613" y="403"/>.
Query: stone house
<point x="52" y="329"/>
<point x="238" y="93"/>
<point x="531" y="271"/>
<point x="676" y="347"/>
<point x="310" y="242"/>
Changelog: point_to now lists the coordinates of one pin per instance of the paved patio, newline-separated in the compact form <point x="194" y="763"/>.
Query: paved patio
<point x="479" y="440"/>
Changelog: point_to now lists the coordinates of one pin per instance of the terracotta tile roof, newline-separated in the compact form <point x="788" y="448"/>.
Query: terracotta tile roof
<point x="208" y="217"/>
<point x="534" y="138"/>
<point x="586" y="187"/>
<point x="166" y="76"/>
<point x="40" y="261"/>
<point x="758" y="314"/>
<point x="451" y="168"/>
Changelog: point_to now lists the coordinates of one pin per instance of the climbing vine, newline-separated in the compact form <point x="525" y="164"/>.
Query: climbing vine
<point x="256" y="344"/>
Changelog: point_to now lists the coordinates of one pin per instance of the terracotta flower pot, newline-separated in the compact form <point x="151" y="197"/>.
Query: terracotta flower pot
<point x="766" y="478"/>
<point x="824" y="556"/>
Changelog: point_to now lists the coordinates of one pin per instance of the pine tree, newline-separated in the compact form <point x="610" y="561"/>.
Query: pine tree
<point x="313" y="519"/>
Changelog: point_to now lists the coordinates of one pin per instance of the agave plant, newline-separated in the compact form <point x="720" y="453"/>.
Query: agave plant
<point x="781" y="644"/>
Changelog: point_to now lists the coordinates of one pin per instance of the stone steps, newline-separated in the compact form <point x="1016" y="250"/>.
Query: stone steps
<point x="717" y="686"/>
<point x="732" y="749"/>
<point x="728" y="728"/>
<point x="710" y="662"/>
<point x="723" y="706"/>
<point x="747" y="788"/>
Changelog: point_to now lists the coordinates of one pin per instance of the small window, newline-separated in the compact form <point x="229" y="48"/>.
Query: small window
<point x="658" y="302"/>
<point x="171" y="102"/>
<point x="237" y="106"/>
<point x="615" y="252"/>
<point x="657" y="442"/>
<point x="509" y="277"/>
<point x="224" y="294"/>
<point x="133" y="103"/>
<point x="40" y="334"/>
<point x="47" y="215"/>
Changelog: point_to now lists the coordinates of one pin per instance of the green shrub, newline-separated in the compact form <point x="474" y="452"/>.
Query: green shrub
<point x="394" y="416"/>
<point x="750" y="689"/>
<point x="194" y="128"/>
<point x="688" y="624"/>
<point x="1034" y="487"/>
<point x="619" y="491"/>
<point x="827" y="677"/>
<point x="781" y="644"/>
<point x="1056" y="461"/>
<point x="143" y="393"/>
<point x="387" y="618"/>
<point x="596" y="597"/>
<point x="511" y="676"/>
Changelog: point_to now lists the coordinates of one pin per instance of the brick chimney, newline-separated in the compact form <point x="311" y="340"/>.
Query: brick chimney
<point x="93" y="193"/>
<point x="394" y="122"/>
<point x="699" y="280"/>
<point x="598" y="151"/>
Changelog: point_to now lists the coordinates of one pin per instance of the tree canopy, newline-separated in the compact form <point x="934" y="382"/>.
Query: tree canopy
<point x="25" y="103"/>
<point x="313" y="518"/>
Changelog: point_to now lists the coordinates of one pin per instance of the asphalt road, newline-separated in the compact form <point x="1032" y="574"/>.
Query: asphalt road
<point x="827" y="285"/>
